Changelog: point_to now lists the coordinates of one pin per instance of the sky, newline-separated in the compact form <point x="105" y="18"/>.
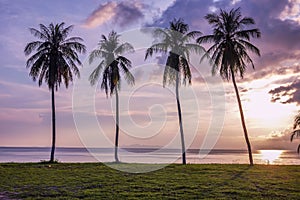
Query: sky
<point x="269" y="94"/>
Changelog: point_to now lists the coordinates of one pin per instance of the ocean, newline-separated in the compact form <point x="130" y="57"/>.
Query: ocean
<point x="148" y="155"/>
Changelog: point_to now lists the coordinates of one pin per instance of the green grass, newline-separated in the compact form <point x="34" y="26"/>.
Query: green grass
<point x="97" y="181"/>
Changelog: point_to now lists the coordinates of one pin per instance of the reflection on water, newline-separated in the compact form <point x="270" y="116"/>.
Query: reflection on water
<point x="271" y="156"/>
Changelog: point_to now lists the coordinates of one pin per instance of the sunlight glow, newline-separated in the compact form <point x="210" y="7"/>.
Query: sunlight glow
<point x="270" y="155"/>
<point x="259" y="109"/>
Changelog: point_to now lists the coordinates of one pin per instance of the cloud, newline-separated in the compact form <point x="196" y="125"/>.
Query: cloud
<point x="191" y="11"/>
<point x="291" y="11"/>
<point x="102" y="14"/>
<point x="277" y="140"/>
<point x="279" y="41"/>
<point x="19" y="96"/>
<point x="287" y="94"/>
<point x="278" y="70"/>
<point x="122" y="14"/>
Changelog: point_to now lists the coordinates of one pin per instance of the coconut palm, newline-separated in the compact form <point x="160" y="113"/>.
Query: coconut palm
<point x="178" y="42"/>
<point x="229" y="52"/>
<point x="110" y="51"/>
<point x="296" y="132"/>
<point x="54" y="60"/>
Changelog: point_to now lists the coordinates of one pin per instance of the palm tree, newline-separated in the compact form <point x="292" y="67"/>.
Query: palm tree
<point x="177" y="41"/>
<point x="54" y="60"/>
<point x="231" y="41"/>
<point x="296" y="132"/>
<point x="110" y="50"/>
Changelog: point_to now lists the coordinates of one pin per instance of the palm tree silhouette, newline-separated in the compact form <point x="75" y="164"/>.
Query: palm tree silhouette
<point x="177" y="41"/>
<point x="296" y="132"/>
<point x="54" y="61"/>
<point x="110" y="50"/>
<point x="229" y="51"/>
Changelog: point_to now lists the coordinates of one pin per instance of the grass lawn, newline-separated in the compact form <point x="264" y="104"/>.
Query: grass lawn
<point x="97" y="181"/>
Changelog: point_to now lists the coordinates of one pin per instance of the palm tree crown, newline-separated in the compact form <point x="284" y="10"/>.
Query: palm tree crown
<point x="296" y="132"/>
<point x="56" y="58"/>
<point x="111" y="51"/>
<point x="179" y="43"/>
<point x="231" y="42"/>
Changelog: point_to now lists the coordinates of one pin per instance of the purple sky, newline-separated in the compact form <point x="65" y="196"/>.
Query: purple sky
<point x="269" y="93"/>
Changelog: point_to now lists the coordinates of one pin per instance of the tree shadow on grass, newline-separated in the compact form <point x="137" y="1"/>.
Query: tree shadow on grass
<point x="226" y="183"/>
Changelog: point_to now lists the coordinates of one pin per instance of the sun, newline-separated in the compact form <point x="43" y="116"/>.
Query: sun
<point x="270" y="156"/>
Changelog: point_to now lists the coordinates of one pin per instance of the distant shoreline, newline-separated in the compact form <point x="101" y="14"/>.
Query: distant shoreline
<point x="145" y="148"/>
<point x="147" y="155"/>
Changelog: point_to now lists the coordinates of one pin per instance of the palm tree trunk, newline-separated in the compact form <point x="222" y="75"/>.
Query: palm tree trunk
<point x="180" y="120"/>
<point x="117" y="126"/>
<point x="53" y="125"/>
<point x="242" y="119"/>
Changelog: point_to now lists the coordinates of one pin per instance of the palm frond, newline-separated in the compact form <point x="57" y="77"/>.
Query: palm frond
<point x="160" y="33"/>
<point x="247" y="21"/>
<point x="69" y="62"/>
<point x="65" y="31"/>
<point x="124" y="48"/>
<point x="93" y="78"/>
<point x="35" y="57"/>
<point x="126" y="61"/>
<point x="95" y="54"/>
<point x="114" y="78"/>
<point x="30" y="47"/>
<point x="169" y="76"/>
<point x="245" y="34"/>
<point x="250" y="47"/>
<point x="217" y="57"/>
<point x="187" y="75"/>
<point x="45" y="31"/>
<point x="205" y="39"/>
<point x="127" y="74"/>
<point x="213" y="19"/>
<point x="105" y="81"/>
<point x="75" y="47"/>
<point x="295" y="133"/>
<point x="42" y="74"/>
<point x="65" y="72"/>
<point x="45" y="46"/>
<point x="194" y="34"/>
<point x="178" y="25"/>
<point x="196" y="48"/>
<point x="172" y="68"/>
<point x="156" y="48"/>
<point x="73" y="39"/>
<point x="39" y="34"/>
<point x="297" y="121"/>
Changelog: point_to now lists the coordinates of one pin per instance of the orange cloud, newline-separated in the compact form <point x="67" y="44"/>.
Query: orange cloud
<point x="122" y="14"/>
<point x="101" y="15"/>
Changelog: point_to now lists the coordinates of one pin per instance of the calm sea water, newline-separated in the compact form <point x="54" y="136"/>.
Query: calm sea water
<point x="147" y="155"/>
